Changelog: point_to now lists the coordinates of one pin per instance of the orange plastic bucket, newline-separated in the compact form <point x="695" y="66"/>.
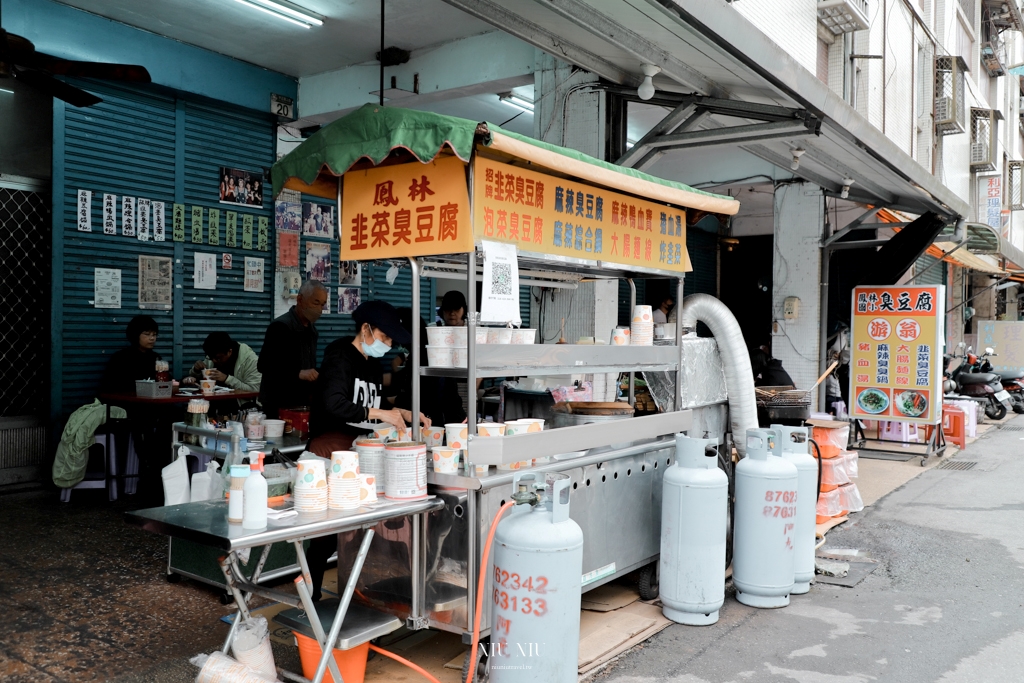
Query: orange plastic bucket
<point x="351" y="663"/>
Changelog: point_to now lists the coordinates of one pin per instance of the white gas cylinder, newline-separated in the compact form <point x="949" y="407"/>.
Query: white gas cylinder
<point x="536" y="586"/>
<point x="764" y="523"/>
<point x="792" y="442"/>
<point x="694" y="520"/>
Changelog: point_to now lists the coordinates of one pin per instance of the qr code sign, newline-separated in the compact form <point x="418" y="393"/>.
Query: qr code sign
<point x="501" y="278"/>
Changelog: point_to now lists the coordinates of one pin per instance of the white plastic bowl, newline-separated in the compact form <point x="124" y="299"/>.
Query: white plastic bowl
<point x="273" y="429"/>
<point x="440" y="356"/>
<point x="524" y="336"/>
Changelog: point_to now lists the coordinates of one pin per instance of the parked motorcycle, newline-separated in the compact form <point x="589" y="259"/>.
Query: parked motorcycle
<point x="986" y="385"/>
<point x="1013" y="382"/>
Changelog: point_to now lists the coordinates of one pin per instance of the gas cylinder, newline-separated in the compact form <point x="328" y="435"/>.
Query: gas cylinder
<point x="536" y="589"/>
<point x="764" y="524"/>
<point x="792" y="443"/>
<point x="694" y="520"/>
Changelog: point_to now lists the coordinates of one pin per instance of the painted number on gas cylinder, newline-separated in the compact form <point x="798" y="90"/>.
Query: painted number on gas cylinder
<point x="514" y="582"/>
<point x="780" y="496"/>
<point x="537" y="607"/>
<point x="779" y="511"/>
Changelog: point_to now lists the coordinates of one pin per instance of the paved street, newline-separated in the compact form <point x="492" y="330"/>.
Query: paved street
<point x="946" y="603"/>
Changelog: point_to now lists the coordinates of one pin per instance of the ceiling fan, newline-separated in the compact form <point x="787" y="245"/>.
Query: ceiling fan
<point x="19" y="60"/>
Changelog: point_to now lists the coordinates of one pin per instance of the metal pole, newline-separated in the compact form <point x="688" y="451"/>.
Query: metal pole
<point x="473" y="562"/>
<point x="414" y="355"/>
<point x="679" y="343"/>
<point x="632" y="305"/>
<point x="248" y="596"/>
<point x="346" y="599"/>
<point x="939" y="260"/>
<point x="415" y="620"/>
<point x="381" y="60"/>
<point x="471" y="323"/>
<point x="826" y="255"/>
<point x="311" y="613"/>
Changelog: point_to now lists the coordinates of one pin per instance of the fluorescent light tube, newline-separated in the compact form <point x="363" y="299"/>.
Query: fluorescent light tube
<point x="284" y="12"/>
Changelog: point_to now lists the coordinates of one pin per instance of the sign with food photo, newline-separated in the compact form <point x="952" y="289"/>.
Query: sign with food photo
<point x="896" y="365"/>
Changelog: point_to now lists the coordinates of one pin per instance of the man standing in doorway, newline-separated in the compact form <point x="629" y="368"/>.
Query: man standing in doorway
<point x="662" y="311"/>
<point x="288" y="357"/>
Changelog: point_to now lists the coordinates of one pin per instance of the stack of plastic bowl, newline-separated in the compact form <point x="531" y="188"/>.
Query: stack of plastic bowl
<point x="445" y="459"/>
<point x="446" y="347"/>
<point x="343" y="482"/>
<point x="371" y="461"/>
<point x="499" y="335"/>
<point x="641" y="330"/>
<point x="310" y="491"/>
<point x="524" y="336"/>
<point x="620" y="336"/>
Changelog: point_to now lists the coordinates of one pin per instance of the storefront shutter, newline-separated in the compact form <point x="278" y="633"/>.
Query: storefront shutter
<point x="934" y="275"/>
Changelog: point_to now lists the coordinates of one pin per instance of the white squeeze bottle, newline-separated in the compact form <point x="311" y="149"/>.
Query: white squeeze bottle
<point x="254" y="514"/>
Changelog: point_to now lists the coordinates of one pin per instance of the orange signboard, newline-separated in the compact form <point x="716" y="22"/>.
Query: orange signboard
<point x="551" y="215"/>
<point x="406" y="210"/>
<point x="896" y="360"/>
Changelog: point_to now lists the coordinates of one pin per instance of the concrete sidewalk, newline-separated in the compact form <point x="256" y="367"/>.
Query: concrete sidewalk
<point x="946" y="603"/>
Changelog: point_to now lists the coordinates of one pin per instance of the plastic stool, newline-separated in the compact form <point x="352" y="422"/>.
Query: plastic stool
<point x="953" y="425"/>
<point x="108" y="475"/>
<point x="897" y="431"/>
<point x="970" y="409"/>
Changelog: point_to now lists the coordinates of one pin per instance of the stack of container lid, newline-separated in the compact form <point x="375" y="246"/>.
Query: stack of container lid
<point x="838" y="496"/>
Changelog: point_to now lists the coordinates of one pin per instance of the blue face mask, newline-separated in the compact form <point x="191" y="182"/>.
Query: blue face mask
<point x="375" y="350"/>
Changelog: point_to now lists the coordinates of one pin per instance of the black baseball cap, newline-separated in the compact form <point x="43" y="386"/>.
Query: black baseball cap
<point x="382" y="315"/>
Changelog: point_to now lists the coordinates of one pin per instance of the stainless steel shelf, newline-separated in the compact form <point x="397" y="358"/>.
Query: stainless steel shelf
<point x="507" y="360"/>
<point x="498" y="450"/>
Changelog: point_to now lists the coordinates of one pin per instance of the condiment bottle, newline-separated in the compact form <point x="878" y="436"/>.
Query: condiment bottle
<point x="254" y="513"/>
<point x="239" y="473"/>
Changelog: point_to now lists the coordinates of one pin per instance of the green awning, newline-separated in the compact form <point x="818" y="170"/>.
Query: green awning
<point x="373" y="132"/>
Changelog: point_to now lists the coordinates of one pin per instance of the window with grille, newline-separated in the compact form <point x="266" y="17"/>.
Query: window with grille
<point x="1015" y="184"/>
<point x="822" y="61"/>
<point x="967" y="7"/>
<point x="949" y="95"/>
<point x="983" y="139"/>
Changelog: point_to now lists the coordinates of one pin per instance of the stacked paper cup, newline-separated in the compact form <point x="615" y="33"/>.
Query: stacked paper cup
<point x="310" y="491"/>
<point x="368" y="489"/>
<point x="641" y="331"/>
<point x="343" y="483"/>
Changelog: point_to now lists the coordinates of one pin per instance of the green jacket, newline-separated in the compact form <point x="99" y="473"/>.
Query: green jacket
<point x="80" y="433"/>
<point x="246" y="377"/>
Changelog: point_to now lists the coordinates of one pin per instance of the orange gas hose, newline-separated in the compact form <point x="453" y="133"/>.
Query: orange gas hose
<point x="481" y="579"/>
<point x="409" y="664"/>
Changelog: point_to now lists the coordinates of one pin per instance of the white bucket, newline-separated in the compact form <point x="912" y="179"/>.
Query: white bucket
<point x="460" y="357"/>
<point x="371" y="460"/>
<point x="446" y="336"/>
<point x="405" y="470"/>
<point x="440" y="356"/>
<point x="481" y="335"/>
<point x="273" y="429"/>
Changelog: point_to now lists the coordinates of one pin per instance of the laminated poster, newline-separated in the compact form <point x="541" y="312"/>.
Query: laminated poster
<point x="197" y="225"/>
<point x="253" y="274"/>
<point x="158" y="222"/>
<point x="348" y="299"/>
<point x="247" y="231"/>
<point x="142" y="205"/>
<point x="231" y="228"/>
<point x="318" y="262"/>
<point x="84" y="211"/>
<point x="500" y="302"/>
<point x="225" y="261"/>
<point x="178" y="223"/>
<point x="287" y="249"/>
<point x="288" y="211"/>
<point x="349" y="274"/>
<point x="214" y="231"/>
<point x="155" y="282"/>
<point x="317" y="220"/>
<point x="106" y="288"/>
<point x="205" y="274"/>
<point x="128" y="216"/>
<point x="263" y="233"/>
<point x="110" y="214"/>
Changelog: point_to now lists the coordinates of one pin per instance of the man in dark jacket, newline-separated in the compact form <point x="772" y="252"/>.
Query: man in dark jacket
<point x="288" y="357"/>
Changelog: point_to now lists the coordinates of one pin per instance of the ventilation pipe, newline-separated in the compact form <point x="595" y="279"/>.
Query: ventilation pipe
<point x="739" y="377"/>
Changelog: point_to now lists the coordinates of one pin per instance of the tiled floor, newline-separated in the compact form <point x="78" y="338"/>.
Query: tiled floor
<point x="84" y="598"/>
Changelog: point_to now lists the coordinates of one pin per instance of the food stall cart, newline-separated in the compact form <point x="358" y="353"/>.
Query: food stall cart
<point x="433" y="191"/>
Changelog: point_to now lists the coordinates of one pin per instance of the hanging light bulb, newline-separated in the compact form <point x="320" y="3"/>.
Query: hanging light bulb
<point x="646" y="89"/>
<point x="846" y="187"/>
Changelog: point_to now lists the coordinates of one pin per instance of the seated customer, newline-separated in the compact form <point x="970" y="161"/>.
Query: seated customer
<point x="135" y="361"/>
<point x="233" y="364"/>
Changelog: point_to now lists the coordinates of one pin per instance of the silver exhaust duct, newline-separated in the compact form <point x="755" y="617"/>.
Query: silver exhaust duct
<point x="739" y="376"/>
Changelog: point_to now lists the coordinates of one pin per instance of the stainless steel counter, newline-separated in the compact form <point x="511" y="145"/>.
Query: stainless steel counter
<point x="206" y="522"/>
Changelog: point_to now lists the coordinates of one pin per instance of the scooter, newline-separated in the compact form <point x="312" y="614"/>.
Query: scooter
<point x="1013" y="382"/>
<point x="986" y="385"/>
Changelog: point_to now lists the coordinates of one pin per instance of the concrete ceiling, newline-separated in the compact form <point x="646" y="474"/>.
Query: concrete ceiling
<point x="350" y="33"/>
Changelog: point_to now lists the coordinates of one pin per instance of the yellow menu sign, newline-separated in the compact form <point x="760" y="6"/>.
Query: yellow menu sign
<point x="406" y="210"/>
<point x="896" y="360"/>
<point x="551" y="215"/>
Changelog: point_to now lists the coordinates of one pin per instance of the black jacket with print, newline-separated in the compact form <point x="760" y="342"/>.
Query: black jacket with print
<point x="348" y="386"/>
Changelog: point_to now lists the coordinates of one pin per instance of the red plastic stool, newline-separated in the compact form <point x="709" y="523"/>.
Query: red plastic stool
<point x="954" y="421"/>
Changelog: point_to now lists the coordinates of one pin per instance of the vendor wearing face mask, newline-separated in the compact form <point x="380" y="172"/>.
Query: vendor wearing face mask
<point x="348" y="391"/>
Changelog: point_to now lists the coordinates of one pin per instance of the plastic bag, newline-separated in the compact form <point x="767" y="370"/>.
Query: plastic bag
<point x="219" y="668"/>
<point x="251" y="646"/>
<point x="175" y="478"/>
<point x="852" y="464"/>
<point x="850" y="499"/>
<point x="829" y="504"/>
<point x="207" y="485"/>
<point x="833" y="472"/>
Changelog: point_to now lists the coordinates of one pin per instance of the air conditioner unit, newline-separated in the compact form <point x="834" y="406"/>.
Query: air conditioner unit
<point x="983" y="140"/>
<point x="979" y="153"/>
<point x="843" y="16"/>
<point x="950" y="110"/>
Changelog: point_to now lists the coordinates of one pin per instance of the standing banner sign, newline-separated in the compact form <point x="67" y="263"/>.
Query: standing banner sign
<point x="1007" y="339"/>
<point x="896" y="368"/>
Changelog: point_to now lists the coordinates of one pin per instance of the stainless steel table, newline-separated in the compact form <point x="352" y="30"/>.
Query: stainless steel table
<point x="206" y="522"/>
